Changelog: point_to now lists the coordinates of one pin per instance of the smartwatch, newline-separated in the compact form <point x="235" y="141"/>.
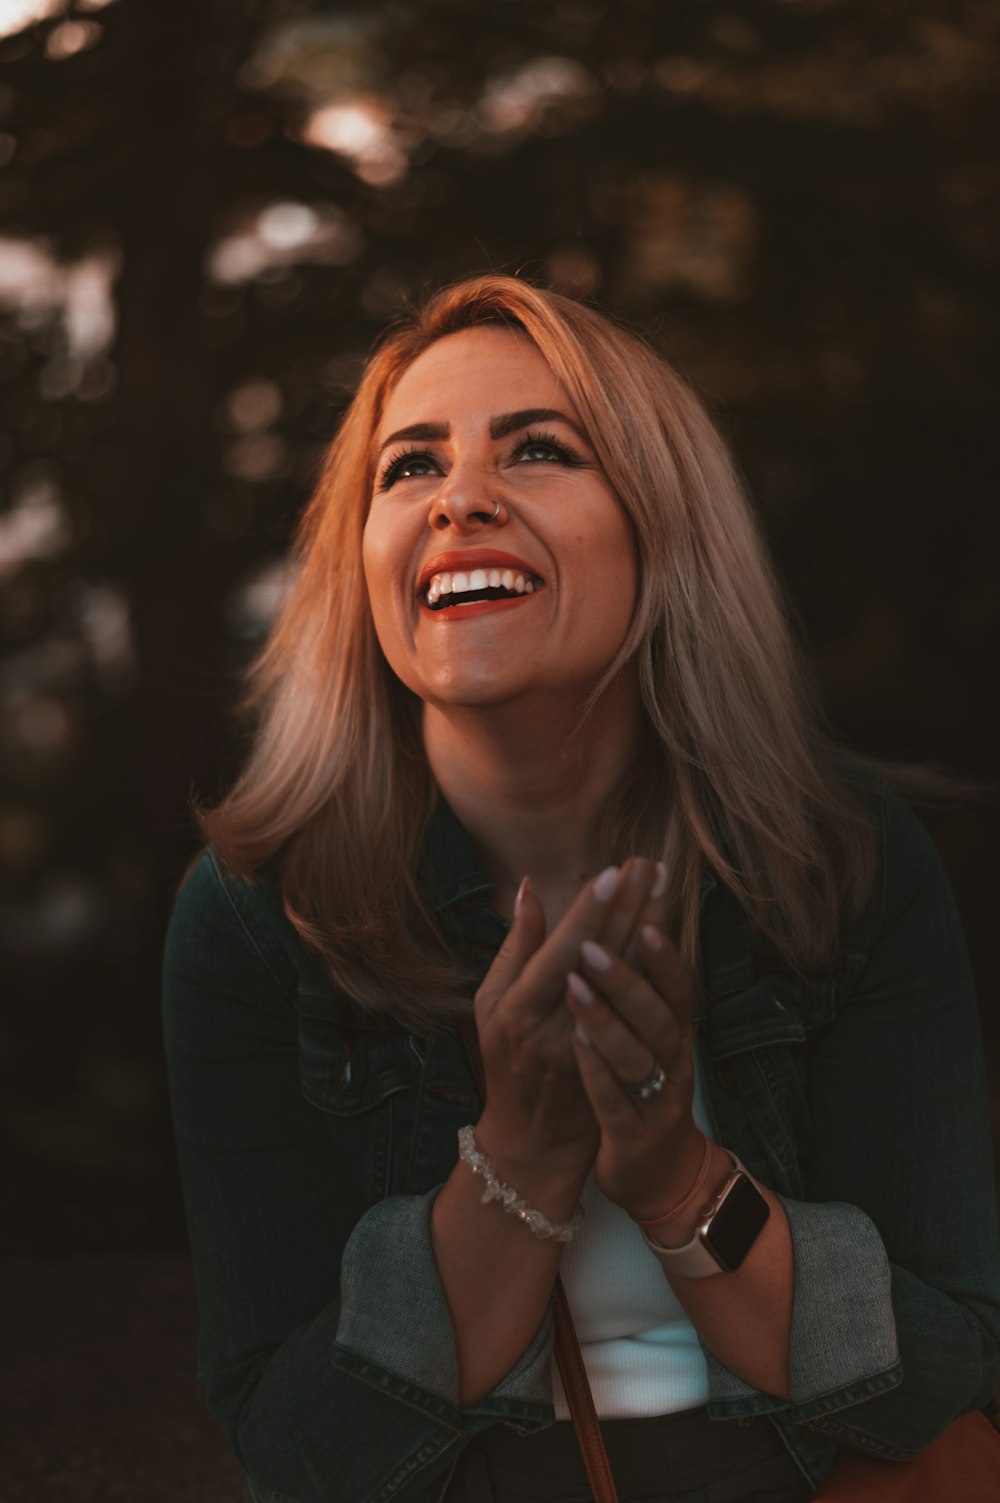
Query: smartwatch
<point x="727" y="1229"/>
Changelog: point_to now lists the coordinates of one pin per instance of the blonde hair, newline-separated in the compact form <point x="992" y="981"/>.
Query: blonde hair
<point x="737" y="770"/>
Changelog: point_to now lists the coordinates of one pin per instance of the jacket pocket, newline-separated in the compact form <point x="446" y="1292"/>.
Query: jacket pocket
<point x="758" y="1040"/>
<point x="364" y="1080"/>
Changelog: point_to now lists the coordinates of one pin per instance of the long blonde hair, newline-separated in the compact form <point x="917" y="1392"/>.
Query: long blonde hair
<point x="737" y="770"/>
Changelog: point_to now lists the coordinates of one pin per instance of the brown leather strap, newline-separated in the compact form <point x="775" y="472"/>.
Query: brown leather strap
<point x="571" y="1369"/>
<point x="581" y="1402"/>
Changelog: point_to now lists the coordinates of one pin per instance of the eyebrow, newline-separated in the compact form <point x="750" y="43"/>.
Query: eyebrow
<point x="500" y="427"/>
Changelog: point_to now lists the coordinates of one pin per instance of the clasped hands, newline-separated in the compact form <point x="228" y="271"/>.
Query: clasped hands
<point x="606" y="992"/>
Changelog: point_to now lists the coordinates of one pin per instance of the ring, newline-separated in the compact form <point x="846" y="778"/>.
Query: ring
<point x="496" y="511"/>
<point x="642" y="1090"/>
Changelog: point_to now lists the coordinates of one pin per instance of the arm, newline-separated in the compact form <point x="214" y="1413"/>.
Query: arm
<point x="652" y="1153"/>
<point x="498" y="1277"/>
<point x="325" y="1344"/>
<point x="896" y="1315"/>
<point x="745" y="1316"/>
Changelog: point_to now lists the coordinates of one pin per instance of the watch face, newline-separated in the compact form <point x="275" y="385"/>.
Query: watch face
<point x="737" y="1223"/>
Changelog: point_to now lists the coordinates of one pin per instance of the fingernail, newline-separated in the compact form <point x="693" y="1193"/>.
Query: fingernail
<point x="579" y="988"/>
<point x="653" y="937"/>
<point x="659" y="887"/>
<point x="524" y="888"/>
<point x="581" y="1033"/>
<point x="595" y="955"/>
<point x="605" y="884"/>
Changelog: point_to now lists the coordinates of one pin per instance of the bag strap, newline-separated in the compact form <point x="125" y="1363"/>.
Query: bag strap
<point x="568" y="1355"/>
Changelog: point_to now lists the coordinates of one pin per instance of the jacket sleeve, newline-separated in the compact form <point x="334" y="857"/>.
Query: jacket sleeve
<point x="325" y="1343"/>
<point x="896" y="1316"/>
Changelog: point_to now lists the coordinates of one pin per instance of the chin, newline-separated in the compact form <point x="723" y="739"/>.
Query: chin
<point x="476" y="695"/>
<point x="469" y="679"/>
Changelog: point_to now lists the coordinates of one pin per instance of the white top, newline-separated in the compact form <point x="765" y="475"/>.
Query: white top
<point x="640" y="1350"/>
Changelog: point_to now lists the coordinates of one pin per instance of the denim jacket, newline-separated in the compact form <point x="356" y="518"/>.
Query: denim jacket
<point x="313" y="1140"/>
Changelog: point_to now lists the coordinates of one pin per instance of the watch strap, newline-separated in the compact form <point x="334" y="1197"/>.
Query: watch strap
<point x="695" y="1259"/>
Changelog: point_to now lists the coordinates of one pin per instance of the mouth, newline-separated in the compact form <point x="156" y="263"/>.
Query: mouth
<point x="460" y="589"/>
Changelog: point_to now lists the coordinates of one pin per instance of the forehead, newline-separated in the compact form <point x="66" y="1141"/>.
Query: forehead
<point x="476" y="372"/>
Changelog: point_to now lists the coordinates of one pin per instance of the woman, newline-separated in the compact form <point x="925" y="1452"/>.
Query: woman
<point x="531" y="726"/>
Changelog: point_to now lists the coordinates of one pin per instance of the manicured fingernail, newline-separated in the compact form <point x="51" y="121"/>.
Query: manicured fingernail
<point x="582" y="1033"/>
<point x="595" y="955"/>
<point x="524" y="888"/>
<point x="653" y="937"/>
<point x="579" y="988"/>
<point x="605" y="884"/>
<point x="659" y="887"/>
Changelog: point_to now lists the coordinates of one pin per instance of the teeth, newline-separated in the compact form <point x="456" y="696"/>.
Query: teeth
<point x="466" y="582"/>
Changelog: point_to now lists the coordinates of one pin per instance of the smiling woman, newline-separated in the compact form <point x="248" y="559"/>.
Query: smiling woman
<point x="490" y="494"/>
<point x="539" y="789"/>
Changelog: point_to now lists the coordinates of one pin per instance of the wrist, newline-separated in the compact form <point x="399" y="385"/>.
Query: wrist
<point x="549" y="1207"/>
<point x="726" y="1229"/>
<point x="532" y="1169"/>
<point x="706" y="1170"/>
<point x="679" y="1232"/>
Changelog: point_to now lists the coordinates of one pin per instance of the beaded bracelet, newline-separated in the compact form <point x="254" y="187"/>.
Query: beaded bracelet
<point x="541" y="1226"/>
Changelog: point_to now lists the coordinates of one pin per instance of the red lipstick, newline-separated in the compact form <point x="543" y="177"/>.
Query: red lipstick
<point x="477" y="608"/>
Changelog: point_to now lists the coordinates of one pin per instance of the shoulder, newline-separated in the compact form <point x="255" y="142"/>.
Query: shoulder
<point x="906" y="850"/>
<point x="217" y="913"/>
<point x="199" y="900"/>
<point x="216" y="907"/>
<point x="207" y="890"/>
<point x="912" y="904"/>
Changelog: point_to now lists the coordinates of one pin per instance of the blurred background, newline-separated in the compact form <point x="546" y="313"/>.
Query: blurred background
<point x="208" y="211"/>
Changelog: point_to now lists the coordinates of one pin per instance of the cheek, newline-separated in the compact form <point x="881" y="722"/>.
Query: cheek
<point x="372" y="551"/>
<point x="376" y="563"/>
<point x="614" y="563"/>
<point x="618" y="604"/>
<point x="382" y="561"/>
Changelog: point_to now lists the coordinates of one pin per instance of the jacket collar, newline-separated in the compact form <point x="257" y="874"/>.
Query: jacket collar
<point x="450" y="868"/>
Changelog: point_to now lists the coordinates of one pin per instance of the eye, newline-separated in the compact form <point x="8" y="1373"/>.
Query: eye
<point x="536" y="451"/>
<point x="406" y="466"/>
<point x="542" y="448"/>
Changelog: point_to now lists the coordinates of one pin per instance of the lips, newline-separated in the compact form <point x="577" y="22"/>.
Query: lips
<point x="473" y="558"/>
<point x="476" y="608"/>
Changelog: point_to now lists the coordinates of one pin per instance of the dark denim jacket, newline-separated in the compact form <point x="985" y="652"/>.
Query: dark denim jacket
<point x="312" y="1142"/>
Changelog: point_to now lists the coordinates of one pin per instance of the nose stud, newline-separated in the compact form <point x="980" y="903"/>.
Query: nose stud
<point x="443" y="513"/>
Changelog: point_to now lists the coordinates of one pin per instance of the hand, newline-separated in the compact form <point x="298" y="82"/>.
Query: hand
<point x="536" y="1103"/>
<point x="650" y="1150"/>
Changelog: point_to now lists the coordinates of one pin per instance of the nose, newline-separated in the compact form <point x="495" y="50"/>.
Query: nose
<point x="463" y="501"/>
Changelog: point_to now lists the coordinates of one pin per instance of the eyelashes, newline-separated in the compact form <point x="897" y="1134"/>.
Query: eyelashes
<point x="397" y="463"/>
<point x="539" y="440"/>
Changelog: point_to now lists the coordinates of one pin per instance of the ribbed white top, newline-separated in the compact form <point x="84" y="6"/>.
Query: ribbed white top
<point x="640" y="1350"/>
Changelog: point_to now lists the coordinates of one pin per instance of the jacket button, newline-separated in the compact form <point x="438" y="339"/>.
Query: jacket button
<point x="726" y="1080"/>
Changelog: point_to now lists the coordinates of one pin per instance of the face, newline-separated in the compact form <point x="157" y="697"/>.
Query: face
<point x="474" y="606"/>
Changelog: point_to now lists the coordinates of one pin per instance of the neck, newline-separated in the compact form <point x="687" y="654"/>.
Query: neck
<point x="530" y="786"/>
